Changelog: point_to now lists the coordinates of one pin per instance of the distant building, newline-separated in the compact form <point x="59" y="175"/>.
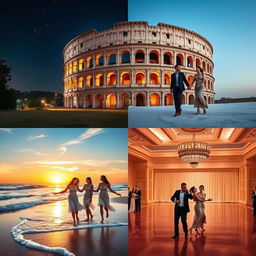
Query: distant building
<point x="131" y="64"/>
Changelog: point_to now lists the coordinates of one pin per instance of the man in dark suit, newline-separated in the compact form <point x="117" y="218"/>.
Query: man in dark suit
<point x="177" y="87"/>
<point x="129" y="198"/>
<point x="137" y="199"/>
<point x="180" y="198"/>
<point x="254" y="200"/>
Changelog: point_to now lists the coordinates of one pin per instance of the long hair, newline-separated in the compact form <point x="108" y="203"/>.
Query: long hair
<point x="201" y="70"/>
<point x="192" y="189"/>
<point x="72" y="181"/>
<point x="90" y="179"/>
<point x="105" y="180"/>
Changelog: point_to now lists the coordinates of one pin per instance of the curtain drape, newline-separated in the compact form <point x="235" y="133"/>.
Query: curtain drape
<point x="220" y="186"/>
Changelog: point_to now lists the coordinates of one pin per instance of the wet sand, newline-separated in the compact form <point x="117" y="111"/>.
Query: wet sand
<point x="92" y="241"/>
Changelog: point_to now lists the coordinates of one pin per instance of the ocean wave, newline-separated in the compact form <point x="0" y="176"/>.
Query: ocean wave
<point x="18" y="233"/>
<point x="19" y="206"/>
<point x="19" y="187"/>
<point x="6" y="197"/>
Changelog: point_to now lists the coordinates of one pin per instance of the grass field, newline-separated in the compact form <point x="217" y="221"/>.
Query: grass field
<point x="63" y="118"/>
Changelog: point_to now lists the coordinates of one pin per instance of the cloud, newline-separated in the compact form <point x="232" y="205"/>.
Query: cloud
<point x="68" y="169"/>
<point x="86" y="135"/>
<point x="41" y="136"/>
<point x="30" y="150"/>
<point x="8" y="130"/>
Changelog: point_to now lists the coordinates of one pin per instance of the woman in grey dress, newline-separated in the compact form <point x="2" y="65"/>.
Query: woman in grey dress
<point x="200" y="217"/>
<point x="103" y="196"/>
<point x="73" y="203"/>
<point x="87" y="200"/>
<point x="199" y="91"/>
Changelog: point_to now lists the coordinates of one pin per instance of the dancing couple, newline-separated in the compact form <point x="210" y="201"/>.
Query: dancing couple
<point x="75" y="206"/>
<point x="180" y="198"/>
<point x="134" y="199"/>
<point x="177" y="88"/>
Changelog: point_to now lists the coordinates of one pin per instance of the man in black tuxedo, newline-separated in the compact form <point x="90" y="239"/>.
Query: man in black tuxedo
<point x="177" y="87"/>
<point x="137" y="199"/>
<point x="254" y="200"/>
<point x="180" y="198"/>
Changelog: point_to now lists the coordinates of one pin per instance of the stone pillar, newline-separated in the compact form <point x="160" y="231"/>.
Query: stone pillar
<point x="117" y="78"/>
<point x="118" y="60"/>
<point x="93" y="100"/>
<point x="147" y="99"/>
<point x="162" y="99"/>
<point x="117" y="100"/>
<point x="132" y="77"/>
<point x="148" y="77"/>
<point x="104" y="79"/>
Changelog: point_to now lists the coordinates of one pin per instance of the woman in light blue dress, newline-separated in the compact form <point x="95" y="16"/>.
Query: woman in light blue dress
<point x="73" y="203"/>
<point x="104" y="198"/>
<point x="199" y="81"/>
<point x="87" y="200"/>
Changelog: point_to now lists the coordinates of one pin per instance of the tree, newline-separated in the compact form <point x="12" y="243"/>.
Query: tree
<point x="8" y="96"/>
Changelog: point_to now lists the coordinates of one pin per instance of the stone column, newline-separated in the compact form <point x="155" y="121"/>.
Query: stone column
<point x="148" y="77"/>
<point x="162" y="98"/>
<point x="147" y="99"/>
<point x="93" y="100"/>
<point x="118" y="60"/>
<point x="117" y="100"/>
<point x="117" y="78"/>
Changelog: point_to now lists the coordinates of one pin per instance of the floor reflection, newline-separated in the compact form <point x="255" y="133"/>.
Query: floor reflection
<point x="230" y="230"/>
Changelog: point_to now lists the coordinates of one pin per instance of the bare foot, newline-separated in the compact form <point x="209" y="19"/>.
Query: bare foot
<point x="102" y="221"/>
<point x="91" y="217"/>
<point x="87" y="219"/>
<point x="74" y="223"/>
<point x="107" y="215"/>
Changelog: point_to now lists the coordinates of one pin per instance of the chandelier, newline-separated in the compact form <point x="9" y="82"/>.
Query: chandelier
<point x="193" y="152"/>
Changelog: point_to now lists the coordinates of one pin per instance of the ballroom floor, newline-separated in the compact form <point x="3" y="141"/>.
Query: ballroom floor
<point x="230" y="231"/>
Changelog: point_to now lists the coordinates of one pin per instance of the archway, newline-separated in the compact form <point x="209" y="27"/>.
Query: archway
<point x="126" y="100"/>
<point x="154" y="99"/>
<point x="125" y="57"/>
<point x="111" y="79"/>
<point x="99" y="101"/>
<point x="89" y="101"/>
<point x="180" y="59"/>
<point x="168" y="99"/>
<point x="99" y="80"/>
<point x="154" y="56"/>
<point x="189" y="62"/>
<point x="140" y="78"/>
<point x="140" y="99"/>
<point x="89" y="62"/>
<point x="139" y="56"/>
<point x="168" y="58"/>
<point x="190" y="79"/>
<point x="89" y="81"/>
<point x="125" y="78"/>
<point x="198" y="62"/>
<point x="191" y="99"/>
<point x="111" y="101"/>
<point x="111" y="58"/>
<point x="167" y="78"/>
<point x="154" y="78"/>
<point x="80" y="82"/>
<point x="81" y="64"/>
<point x="99" y="60"/>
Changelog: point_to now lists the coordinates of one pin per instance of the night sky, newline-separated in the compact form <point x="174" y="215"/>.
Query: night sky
<point x="34" y="33"/>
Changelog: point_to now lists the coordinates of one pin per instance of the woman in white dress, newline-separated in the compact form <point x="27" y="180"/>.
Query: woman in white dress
<point x="87" y="200"/>
<point x="199" y="91"/>
<point x="73" y="203"/>
<point x="200" y="217"/>
<point x="104" y="198"/>
<point x="132" y="204"/>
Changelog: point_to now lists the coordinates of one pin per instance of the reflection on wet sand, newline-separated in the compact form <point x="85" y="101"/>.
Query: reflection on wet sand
<point x="230" y="230"/>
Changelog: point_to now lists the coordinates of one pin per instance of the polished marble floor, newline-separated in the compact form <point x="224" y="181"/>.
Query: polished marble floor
<point x="230" y="231"/>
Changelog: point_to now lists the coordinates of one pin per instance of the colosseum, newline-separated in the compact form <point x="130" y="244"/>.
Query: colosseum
<point x="131" y="65"/>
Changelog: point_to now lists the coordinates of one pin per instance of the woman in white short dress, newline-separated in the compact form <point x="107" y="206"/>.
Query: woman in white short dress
<point x="103" y="196"/>
<point x="73" y="203"/>
<point x="87" y="200"/>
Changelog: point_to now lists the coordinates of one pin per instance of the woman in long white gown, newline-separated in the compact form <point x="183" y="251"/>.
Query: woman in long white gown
<point x="132" y="204"/>
<point x="200" y="217"/>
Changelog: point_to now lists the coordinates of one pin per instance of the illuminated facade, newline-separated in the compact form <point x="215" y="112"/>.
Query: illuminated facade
<point x="131" y="64"/>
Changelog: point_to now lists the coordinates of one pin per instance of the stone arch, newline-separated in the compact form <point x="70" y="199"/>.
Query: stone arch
<point x="198" y="62"/>
<point x="74" y="83"/>
<point x="89" y="100"/>
<point x="168" y="99"/>
<point x="154" y="56"/>
<point x="70" y="69"/>
<point x="155" y="78"/>
<point x="111" y="58"/>
<point x="154" y="99"/>
<point x="190" y="79"/>
<point x="99" y="80"/>
<point x="140" y="77"/>
<point x="167" y="58"/>
<point x="191" y="99"/>
<point x="80" y="82"/>
<point x="139" y="56"/>
<point x="99" y="101"/>
<point x="190" y="62"/>
<point x="99" y="60"/>
<point x="125" y="78"/>
<point x="89" y="81"/>
<point x="111" y="79"/>
<point x="126" y="100"/>
<point x="140" y="99"/>
<point x="111" y="100"/>
<point x="204" y="66"/>
<point x="167" y="78"/>
<point x="81" y="64"/>
<point x="180" y="59"/>
<point x="125" y="57"/>
<point x="89" y="62"/>
<point x="75" y="66"/>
